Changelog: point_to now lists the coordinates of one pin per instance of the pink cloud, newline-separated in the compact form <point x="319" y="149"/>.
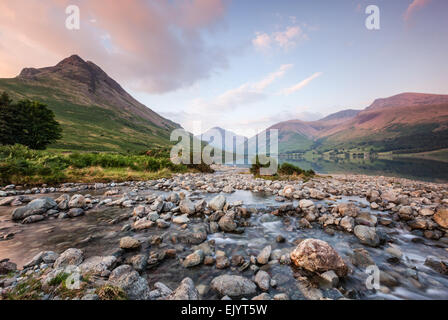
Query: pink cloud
<point x="414" y="6"/>
<point x="154" y="46"/>
<point x="286" y="39"/>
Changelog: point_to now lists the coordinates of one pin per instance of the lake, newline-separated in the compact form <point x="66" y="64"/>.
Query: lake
<point x="411" y="168"/>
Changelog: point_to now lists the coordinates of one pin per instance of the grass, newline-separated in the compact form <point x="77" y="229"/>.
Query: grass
<point x="20" y="165"/>
<point x="26" y="290"/>
<point x="60" y="278"/>
<point x="109" y="292"/>
<point x="90" y="127"/>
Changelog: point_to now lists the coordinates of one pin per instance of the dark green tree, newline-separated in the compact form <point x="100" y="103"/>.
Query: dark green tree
<point x="29" y="123"/>
<point x="6" y="116"/>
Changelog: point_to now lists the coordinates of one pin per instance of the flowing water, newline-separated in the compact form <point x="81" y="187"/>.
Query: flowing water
<point x="95" y="234"/>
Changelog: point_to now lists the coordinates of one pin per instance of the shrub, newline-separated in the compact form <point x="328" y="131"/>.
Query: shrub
<point x="256" y="165"/>
<point x="289" y="169"/>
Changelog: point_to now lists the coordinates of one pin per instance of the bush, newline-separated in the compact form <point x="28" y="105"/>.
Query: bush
<point x="309" y="173"/>
<point x="256" y="165"/>
<point x="289" y="169"/>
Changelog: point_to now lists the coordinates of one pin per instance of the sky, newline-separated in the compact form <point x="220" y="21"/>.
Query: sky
<point x="242" y="65"/>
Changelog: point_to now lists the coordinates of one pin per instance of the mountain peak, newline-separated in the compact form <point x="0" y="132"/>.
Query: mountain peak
<point x="77" y="71"/>
<point x="72" y="60"/>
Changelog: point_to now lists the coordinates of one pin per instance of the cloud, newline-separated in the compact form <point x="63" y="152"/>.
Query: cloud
<point x="262" y="41"/>
<point x="301" y="84"/>
<point x="155" y="46"/>
<point x="261" y="85"/>
<point x="247" y="93"/>
<point x="415" y="6"/>
<point x="199" y="122"/>
<point x="285" y="39"/>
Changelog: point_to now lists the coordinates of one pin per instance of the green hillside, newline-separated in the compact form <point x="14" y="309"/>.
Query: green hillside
<point x="104" y="118"/>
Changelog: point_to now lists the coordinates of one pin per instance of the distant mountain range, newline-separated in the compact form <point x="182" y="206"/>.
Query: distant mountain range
<point x="96" y="113"/>
<point x="408" y="122"/>
<point x="228" y="140"/>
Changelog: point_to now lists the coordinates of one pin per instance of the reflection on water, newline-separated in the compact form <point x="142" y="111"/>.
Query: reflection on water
<point x="411" y="168"/>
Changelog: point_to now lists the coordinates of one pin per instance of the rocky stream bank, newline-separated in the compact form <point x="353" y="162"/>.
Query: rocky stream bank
<point x="225" y="236"/>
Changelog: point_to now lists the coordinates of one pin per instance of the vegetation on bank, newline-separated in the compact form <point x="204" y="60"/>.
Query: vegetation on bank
<point x="284" y="171"/>
<point x="21" y="165"/>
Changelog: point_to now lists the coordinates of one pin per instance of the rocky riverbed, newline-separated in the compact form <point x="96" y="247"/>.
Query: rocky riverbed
<point x="225" y="236"/>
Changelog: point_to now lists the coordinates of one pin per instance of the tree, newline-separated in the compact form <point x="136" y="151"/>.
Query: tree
<point x="6" y="115"/>
<point x="27" y="122"/>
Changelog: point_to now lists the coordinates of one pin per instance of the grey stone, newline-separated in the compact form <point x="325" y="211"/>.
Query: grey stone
<point x="70" y="256"/>
<point x="367" y="235"/>
<point x="233" y="286"/>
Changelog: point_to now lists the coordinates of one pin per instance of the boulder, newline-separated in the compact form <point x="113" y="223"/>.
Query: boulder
<point x="193" y="259"/>
<point x="217" y="203"/>
<point x="318" y="256"/>
<point x="348" y="223"/>
<point x="143" y="224"/>
<point x="129" y="243"/>
<point x="187" y="207"/>
<point x="135" y="287"/>
<point x="48" y="257"/>
<point x="7" y="267"/>
<point x="288" y="191"/>
<point x="77" y="201"/>
<point x="317" y="194"/>
<point x="426" y="212"/>
<point x="347" y="209"/>
<point x="263" y="256"/>
<point x="437" y="264"/>
<point x="366" y="219"/>
<point x="441" y="217"/>
<point x="263" y="280"/>
<point x="367" y="235"/>
<point x="181" y="219"/>
<point x="140" y="211"/>
<point x="97" y="265"/>
<point x="306" y="204"/>
<point x="139" y="262"/>
<point x="35" y="207"/>
<point x="75" y="212"/>
<point x="185" y="291"/>
<point x="33" y="219"/>
<point x="226" y="223"/>
<point x="389" y="196"/>
<point x="70" y="256"/>
<point x="233" y="286"/>
<point x="7" y="201"/>
<point x="330" y="277"/>
<point x="361" y="258"/>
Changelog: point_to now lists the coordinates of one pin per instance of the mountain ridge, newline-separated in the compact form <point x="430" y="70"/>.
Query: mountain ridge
<point x="223" y="145"/>
<point x="96" y="113"/>
<point x="411" y="122"/>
